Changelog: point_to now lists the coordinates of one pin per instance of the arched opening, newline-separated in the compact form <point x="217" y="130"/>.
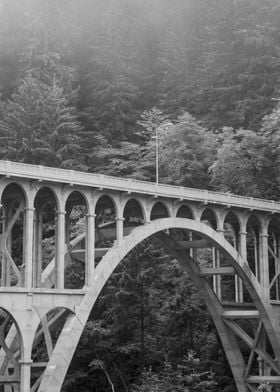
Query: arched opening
<point x="208" y="217"/>
<point x="232" y="286"/>
<point x="75" y="238"/>
<point x="133" y="215"/>
<point x="159" y="211"/>
<point x="232" y="229"/>
<point x="10" y="351"/>
<point x="12" y="229"/>
<point x="105" y="223"/>
<point x="273" y="259"/>
<point x="184" y="212"/>
<point x="44" y="233"/>
<point x="210" y="256"/>
<point x="45" y="340"/>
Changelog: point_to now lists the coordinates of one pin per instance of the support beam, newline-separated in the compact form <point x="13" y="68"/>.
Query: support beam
<point x="119" y="228"/>
<point x="216" y="278"/>
<point x="239" y="313"/>
<point x="60" y="249"/>
<point x="250" y="343"/>
<point x="274" y="380"/>
<point x="28" y="246"/>
<point x="37" y="248"/>
<point x="264" y="268"/>
<point x="90" y="249"/>
<point x="253" y="349"/>
<point x="193" y="244"/>
<point x="25" y="375"/>
<point x="47" y="335"/>
<point x="79" y="254"/>
<point x="217" y="271"/>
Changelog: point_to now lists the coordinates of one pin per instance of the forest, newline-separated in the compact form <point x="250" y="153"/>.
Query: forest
<point x="85" y="85"/>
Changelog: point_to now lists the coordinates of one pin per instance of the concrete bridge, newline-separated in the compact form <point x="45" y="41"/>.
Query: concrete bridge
<point x="56" y="222"/>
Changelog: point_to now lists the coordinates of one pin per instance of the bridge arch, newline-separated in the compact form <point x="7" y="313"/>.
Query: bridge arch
<point x="14" y="203"/>
<point x="112" y="259"/>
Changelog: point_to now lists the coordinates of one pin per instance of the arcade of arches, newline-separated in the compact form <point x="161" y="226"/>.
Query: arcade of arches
<point x="51" y="229"/>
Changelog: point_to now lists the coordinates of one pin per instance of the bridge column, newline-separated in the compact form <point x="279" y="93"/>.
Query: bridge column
<point x="242" y="249"/>
<point x="7" y="269"/>
<point x="25" y="374"/>
<point x="90" y="249"/>
<point x="264" y="265"/>
<point x="60" y="249"/>
<point x="37" y="259"/>
<point x="28" y="246"/>
<point x="216" y="264"/>
<point x="119" y="230"/>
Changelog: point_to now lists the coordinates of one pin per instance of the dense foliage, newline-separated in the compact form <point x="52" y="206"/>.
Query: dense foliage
<point x="88" y="84"/>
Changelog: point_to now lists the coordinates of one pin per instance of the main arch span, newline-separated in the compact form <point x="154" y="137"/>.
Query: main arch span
<point x="54" y="221"/>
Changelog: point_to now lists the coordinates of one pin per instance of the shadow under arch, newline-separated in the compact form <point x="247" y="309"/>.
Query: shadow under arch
<point x="114" y="256"/>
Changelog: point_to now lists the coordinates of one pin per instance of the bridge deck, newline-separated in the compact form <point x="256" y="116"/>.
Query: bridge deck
<point x="51" y="174"/>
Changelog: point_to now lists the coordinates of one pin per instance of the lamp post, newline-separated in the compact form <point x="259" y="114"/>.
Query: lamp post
<point x="156" y="137"/>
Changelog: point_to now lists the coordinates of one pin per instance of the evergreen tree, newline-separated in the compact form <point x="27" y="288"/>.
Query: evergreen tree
<point x="238" y="66"/>
<point x="111" y="73"/>
<point x="38" y="126"/>
<point x="246" y="164"/>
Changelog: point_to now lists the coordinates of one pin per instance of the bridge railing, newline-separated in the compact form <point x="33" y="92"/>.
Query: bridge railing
<point x="52" y="174"/>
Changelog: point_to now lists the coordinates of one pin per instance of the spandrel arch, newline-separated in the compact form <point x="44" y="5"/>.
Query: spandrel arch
<point x="159" y="210"/>
<point x="14" y="202"/>
<point x="45" y="232"/>
<point x="184" y="211"/>
<point x="76" y="210"/>
<point x="133" y="213"/>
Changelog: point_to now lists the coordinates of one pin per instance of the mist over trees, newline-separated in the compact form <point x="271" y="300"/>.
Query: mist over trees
<point x="84" y="84"/>
<point x="82" y="73"/>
